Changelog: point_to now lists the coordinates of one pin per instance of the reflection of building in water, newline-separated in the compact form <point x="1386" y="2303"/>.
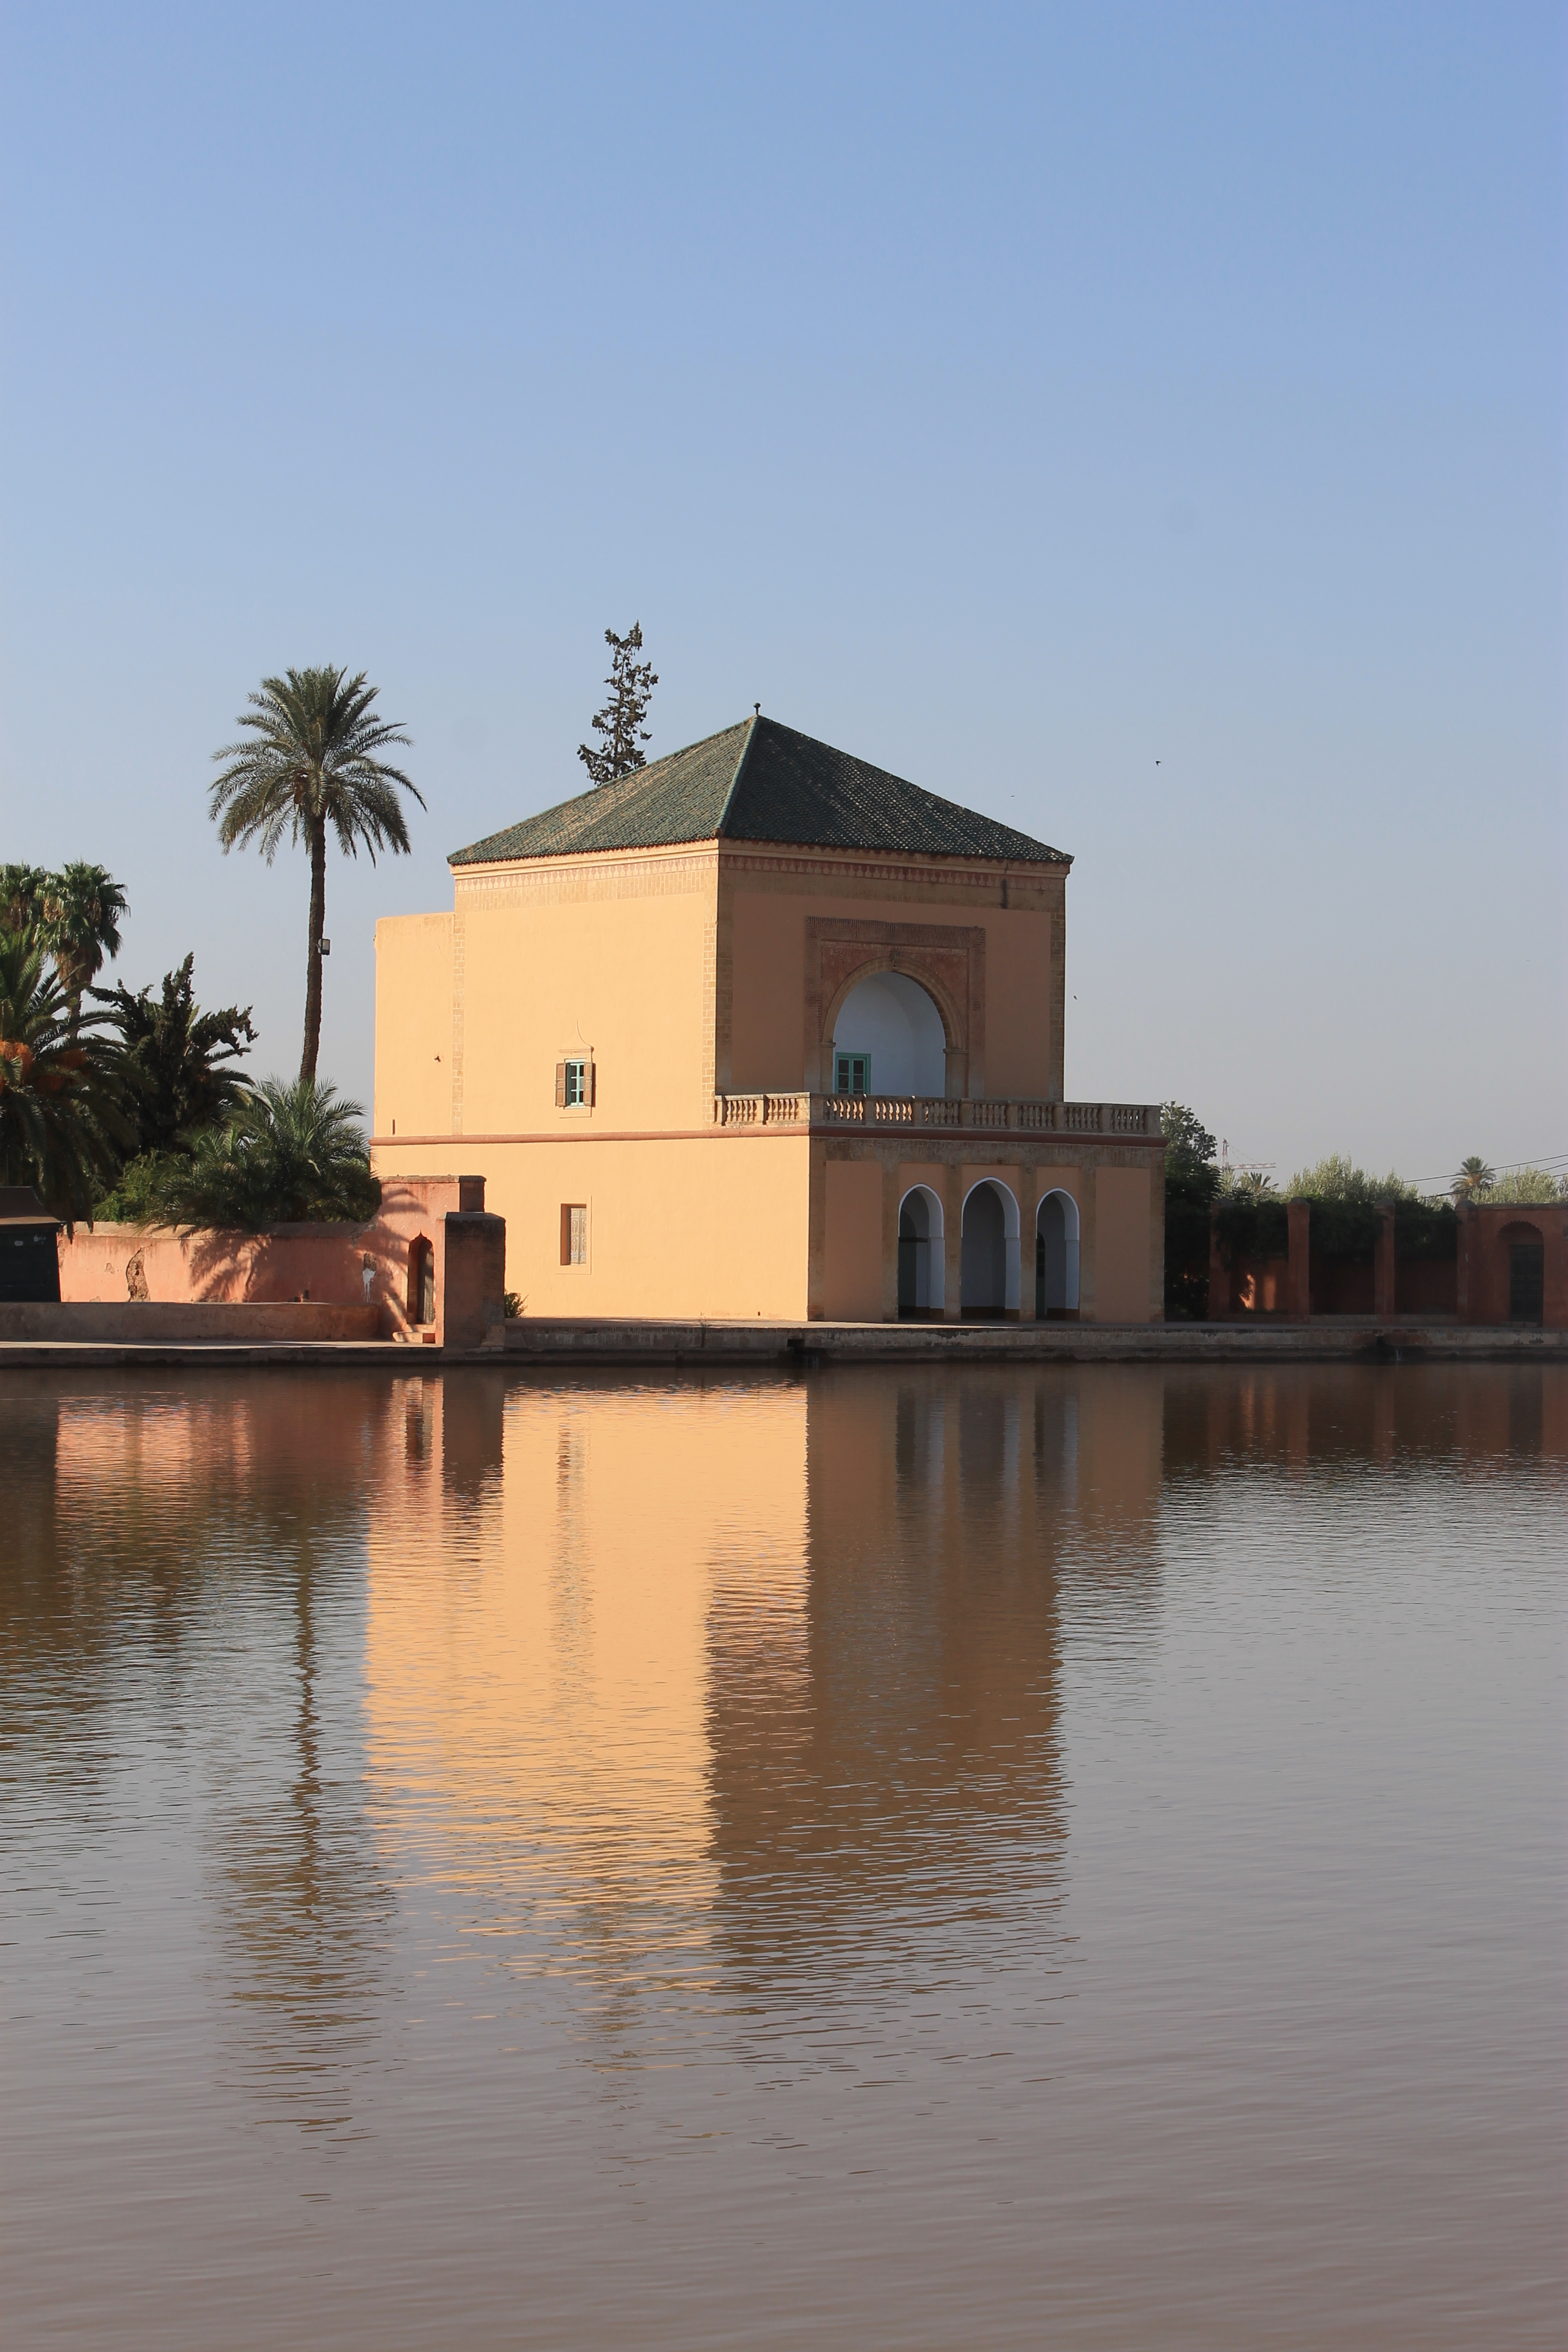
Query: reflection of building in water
<point x="1360" y="1416"/>
<point x="538" y="1670"/>
<point x="908" y="1781"/>
<point x="788" y="1646"/>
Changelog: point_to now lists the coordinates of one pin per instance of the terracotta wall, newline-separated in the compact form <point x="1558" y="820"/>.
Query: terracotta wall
<point x="1486" y="1233"/>
<point x="251" y="1324"/>
<point x="1427" y="1285"/>
<point x="328" y="1263"/>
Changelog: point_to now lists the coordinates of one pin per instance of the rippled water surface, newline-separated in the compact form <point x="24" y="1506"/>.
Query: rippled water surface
<point x="1053" y="1857"/>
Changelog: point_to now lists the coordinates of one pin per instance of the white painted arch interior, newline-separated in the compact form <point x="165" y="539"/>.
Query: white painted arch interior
<point x="1056" y="1251"/>
<point x="989" y="1253"/>
<point x="889" y="1017"/>
<point x="921" y="1251"/>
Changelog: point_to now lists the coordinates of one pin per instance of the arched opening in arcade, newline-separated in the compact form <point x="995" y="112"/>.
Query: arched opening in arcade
<point x="922" y="1274"/>
<point x="988" y="1278"/>
<point x="1056" y="1256"/>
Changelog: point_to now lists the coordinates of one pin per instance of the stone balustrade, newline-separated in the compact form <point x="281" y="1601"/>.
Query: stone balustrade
<point x="933" y="1113"/>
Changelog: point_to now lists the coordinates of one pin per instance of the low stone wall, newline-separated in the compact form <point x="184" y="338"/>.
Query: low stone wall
<point x="371" y="1268"/>
<point x="1250" y="1339"/>
<point x="250" y="1323"/>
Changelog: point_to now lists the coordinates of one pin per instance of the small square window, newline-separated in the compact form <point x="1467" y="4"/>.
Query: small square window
<point x="852" y="1073"/>
<point x="574" y="1232"/>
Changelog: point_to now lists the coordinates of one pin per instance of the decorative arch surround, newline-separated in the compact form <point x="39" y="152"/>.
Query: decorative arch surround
<point x="923" y="1253"/>
<point x="947" y="960"/>
<point x="988" y="1250"/>
<point x="1056" y="1233"/>
<point x="889" y="1030"/>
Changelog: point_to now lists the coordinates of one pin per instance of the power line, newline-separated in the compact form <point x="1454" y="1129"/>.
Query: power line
<point x="1546" y="1163"/>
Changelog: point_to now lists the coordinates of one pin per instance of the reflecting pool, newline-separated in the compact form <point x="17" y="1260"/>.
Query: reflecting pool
<point x="1043" y="1855"/>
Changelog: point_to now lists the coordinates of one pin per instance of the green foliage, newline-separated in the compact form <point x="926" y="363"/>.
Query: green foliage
<point x="620" y="723"/>
<point x="1346" y="1228"/>
<point x="1426" y="1229"/>
<point x="21" y="897"/>
<point x="75" y="916"/>
<point x="62" y="1127"/>
<point x="1531" y="1186"/>
<point x="1251" y="1225"/>
<point x="174" y="1057"/>
<point x="1336" y="1179"/>
<point x="1473" y="1178"/>
<point x="289" y="1154"/>
<point x="1191" y="1178"/>
<point x="511" y="1304"/>
<point x="79" y="918"/>
<point x="311" y="764"/>
<point x="1187" y="1141"/>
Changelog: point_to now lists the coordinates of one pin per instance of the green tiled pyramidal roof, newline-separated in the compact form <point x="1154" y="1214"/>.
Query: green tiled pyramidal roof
<point x="760" y="782"/>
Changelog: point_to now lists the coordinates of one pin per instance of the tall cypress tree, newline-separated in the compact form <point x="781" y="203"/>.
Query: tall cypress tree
<point x="619" y="725"/>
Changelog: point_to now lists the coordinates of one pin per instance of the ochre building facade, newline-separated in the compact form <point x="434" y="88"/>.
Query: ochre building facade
<point x="764" y="1030"/>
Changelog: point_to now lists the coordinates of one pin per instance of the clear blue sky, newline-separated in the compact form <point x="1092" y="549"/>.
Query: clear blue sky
<point x="1014" y="397"/>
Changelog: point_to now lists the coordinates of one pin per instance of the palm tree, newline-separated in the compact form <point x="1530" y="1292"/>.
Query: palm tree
<point x="177" y="1058"/>
<point x="78" y="915"/>
<point x="21" y="888"/>
<point x="311" y="761"/>
<point x="1474" y="1177"/>
<point x="290" y="1154"/>
<point x="62" y="1126"/>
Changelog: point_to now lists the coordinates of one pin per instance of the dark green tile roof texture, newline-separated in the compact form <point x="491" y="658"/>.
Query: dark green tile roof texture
<point x="760" y="782"/>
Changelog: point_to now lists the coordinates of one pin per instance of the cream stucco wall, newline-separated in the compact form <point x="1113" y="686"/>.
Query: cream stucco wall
<point x="713" y="1226"/>
<point x="414" y="1025"/>
<point x="609" y="956"/>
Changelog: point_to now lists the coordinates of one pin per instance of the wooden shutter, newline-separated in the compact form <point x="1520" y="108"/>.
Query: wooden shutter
<point x="565" y="1230"/>
<point x="561" y="1094"/>
<point x="591" y="1076"/>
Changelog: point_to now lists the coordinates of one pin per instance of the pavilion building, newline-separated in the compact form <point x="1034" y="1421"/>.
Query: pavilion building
<point x="762" y="1030"/>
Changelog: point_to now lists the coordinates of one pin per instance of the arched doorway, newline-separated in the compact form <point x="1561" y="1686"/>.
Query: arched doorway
<point x="922" y="1274"/>
<point x="887" y="1039"/>
<point x="1056" y="1256"/>
<point x="1526" y="1250"/>
<point x="421" y="1282"/>
<point x="989" y="1259"/>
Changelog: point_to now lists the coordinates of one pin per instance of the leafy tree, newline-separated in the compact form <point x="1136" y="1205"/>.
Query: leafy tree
<point x="620" y="723"/>
<point x="1336" y="1179"/>
<point x="311" y="763"/>
<point x="176" y="1057"/>
<point x="289" y="1154"/>
<point x="1191" y="1180"/>
<point x="62" y="1129"/>
<point x="1474" y="1177"/>
<point x="78" y="920"/>
<point x="1188" y="1142"/>
<point x="1530" y="1186"/>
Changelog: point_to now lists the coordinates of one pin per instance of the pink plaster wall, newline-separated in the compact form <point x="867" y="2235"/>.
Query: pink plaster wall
<point x="319" y="1262"/>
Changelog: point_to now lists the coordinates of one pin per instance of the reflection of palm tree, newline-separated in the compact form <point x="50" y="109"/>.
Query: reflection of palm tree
<point x="1473" y="1178"/>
